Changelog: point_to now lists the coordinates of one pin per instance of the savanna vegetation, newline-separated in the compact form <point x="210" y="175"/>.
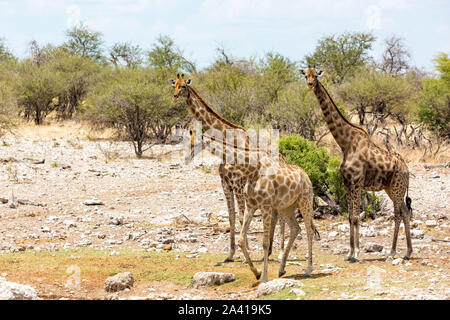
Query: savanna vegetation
<point x="125" y="87"/>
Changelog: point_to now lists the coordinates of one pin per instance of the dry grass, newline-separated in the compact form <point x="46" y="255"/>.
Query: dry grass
<point x="70" y="129"/>
<point x="48" y="272"/>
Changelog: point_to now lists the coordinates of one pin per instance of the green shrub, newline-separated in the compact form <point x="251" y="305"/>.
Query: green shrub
<point x="321" y="167"/>
<point x="323" y="170"/>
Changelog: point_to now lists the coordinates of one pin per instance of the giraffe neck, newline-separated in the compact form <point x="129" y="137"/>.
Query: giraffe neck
<point x="207" y="116"/>
<point x="341" y="129"/>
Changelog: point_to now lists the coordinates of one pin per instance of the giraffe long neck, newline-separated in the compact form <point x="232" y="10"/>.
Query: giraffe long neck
<point x="341" y="129"/>
<point x="208" y="117"/>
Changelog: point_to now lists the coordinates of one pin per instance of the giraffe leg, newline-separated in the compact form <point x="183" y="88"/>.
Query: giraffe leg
<point x="273" y="224"/>
<point x="406" y="214"/>
<point x="397" y="220"/>
<point x="243" y="240"/>
<point x="356" y="199"/>
<point x="267" y="216"/>
<point x="228" y="192"/>
<point x="350" y="220"/>
<point x="306" y="208"/>
<point x="282" y="226"/>
<point x="294" y="230"/>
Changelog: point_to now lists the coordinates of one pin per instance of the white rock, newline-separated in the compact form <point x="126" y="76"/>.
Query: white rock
<point x="417" y="234"/>
<point x="93" y="202"/>
<point x="341" y="250"/>
<point x="343" y="227"/>
<point x="15" y="291"/>
<point x="397" y="261"/>
<point x="368" y="232"/>
<point x="431" y="223"/>
<point x="373" y="247"/>
<point x="119" y="282"/>
<point x="333" y="234"/>
<point x="276" y="285"/>
<point x="298" y="292"/>
<point x="69" y="223"/>
<point x="206" y="279"/>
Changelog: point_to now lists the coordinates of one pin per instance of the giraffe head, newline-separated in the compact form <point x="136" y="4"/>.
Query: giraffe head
<point x="180" y="86"/>
<point x="311" y="76"/>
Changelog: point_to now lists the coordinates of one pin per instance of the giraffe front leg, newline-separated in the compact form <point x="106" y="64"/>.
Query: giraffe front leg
<point x="228" y="191"/>
<point x="243" y="241"/>
<point x="273" y="223"/>
<point x="267" y="217"/>
<point x="397" y="220"/>
<point x="354" y="225"/>
<point x="294" y="230"/>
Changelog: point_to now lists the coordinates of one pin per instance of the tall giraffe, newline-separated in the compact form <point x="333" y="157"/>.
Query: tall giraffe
<point x="272" y="186"/>
<point x="364" y="166"/>
<point x="232" y="178"/>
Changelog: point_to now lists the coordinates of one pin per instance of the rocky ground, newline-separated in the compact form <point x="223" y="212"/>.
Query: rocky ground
<point x="68" y="194"/>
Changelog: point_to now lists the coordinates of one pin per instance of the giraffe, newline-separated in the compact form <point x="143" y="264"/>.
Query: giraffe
<point x="365" y="166"/>
<point x="272" y="186"/>
<point x="232" y="178"/>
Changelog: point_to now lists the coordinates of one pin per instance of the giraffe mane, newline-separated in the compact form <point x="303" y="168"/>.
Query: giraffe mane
<point x="210" y="110"/>
<point x="339" y="112"/>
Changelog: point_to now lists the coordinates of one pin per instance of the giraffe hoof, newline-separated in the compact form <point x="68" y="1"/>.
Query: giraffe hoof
<point x="228" y="260"/>
<point x="258" y="275"/>
<point x="281" y="273"/>
<point x="352" y="259"/>
<point x="406" y="257"/>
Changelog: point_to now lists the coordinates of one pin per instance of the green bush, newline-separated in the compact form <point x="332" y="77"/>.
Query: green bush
<point x="323" y="170"/>
<point x="321" y="167"/>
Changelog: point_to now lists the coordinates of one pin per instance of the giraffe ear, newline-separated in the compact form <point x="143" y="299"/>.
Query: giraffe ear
<point x="320" y="73"/>
<point x="302" y="72"/>
<point x="172" y="82"/>
<point x="189" y="82"/>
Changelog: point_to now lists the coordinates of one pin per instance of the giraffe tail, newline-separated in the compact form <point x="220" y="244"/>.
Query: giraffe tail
<point x="316" y="233"/>
<point x="408" y="202"/>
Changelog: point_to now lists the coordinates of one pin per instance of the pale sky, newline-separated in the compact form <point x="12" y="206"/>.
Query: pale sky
<point x="243" y="27"/>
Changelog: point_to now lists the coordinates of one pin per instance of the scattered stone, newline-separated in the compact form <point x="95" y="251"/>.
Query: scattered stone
<point x="117" y="221"/>
<point x="119" y="282"/>
<point x="368" y="232"/>
<point x="343" y="227"/>
<point x="333" y="234"/>
<point x="341" y="250"/>
<point x="298" y="292"/>
<point x="26" y="202"/>
<point x="3" y="200"/>
<point x="207" y="279"/>
<point x="417" y="234"/>
<point x="276" y="285"/>
<point x="15" y="291"/>
<point x="93" y="202"/>
<point x="69" y="223"/>
<point x="373" y="247"/>
<point x="431" y="223"/>
<point x="397" y="261"/>
<point x="320" y="202"/>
